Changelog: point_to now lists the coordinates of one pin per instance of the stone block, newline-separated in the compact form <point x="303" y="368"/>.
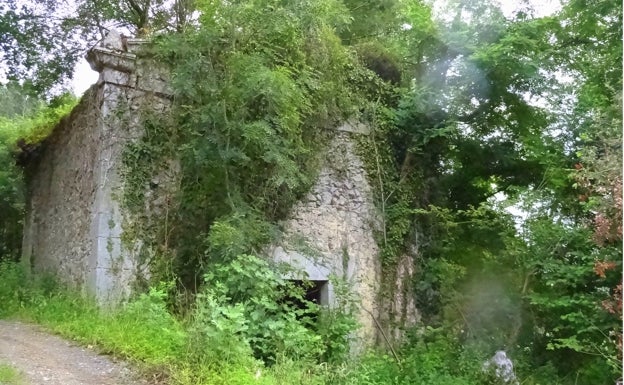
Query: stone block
<point x="354" y="127"/>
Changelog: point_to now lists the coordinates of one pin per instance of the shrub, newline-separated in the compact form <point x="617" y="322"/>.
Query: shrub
<point x="247" y="307"/>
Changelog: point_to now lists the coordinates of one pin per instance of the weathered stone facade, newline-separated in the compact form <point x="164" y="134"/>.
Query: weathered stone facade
<point x="399" y="308"/>
<point x="73" y="224"/>
<point x="330" y="236"/>
<point x="58" y="223"/>
<point x="75" y="221"/>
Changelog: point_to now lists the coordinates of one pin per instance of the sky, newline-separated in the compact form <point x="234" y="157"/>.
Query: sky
<point x="541" y="7"/>
<point x="84" y="76"/>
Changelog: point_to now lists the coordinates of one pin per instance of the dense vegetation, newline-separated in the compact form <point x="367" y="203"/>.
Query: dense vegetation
<point x="475" y="116"/>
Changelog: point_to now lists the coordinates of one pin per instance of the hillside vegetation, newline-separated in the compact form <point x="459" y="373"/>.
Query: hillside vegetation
<point x="495" y="157"/>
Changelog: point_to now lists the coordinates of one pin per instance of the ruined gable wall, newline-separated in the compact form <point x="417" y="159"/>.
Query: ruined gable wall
<point x="76" y="220"/>
<point x="336" y="221"/>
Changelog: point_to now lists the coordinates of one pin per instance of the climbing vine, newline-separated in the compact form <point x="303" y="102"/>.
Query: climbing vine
<point x="256" y="92"/>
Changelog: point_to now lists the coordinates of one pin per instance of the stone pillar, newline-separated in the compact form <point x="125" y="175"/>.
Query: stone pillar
<point x="73" y="224"/>
<point x="127" y="86"/>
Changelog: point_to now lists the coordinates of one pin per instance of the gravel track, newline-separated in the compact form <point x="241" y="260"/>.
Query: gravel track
<point x="46" y="359"/>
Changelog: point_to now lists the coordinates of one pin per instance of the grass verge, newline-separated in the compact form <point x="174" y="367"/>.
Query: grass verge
<point x="207" y="350"/>
<point x="10" y="376"/>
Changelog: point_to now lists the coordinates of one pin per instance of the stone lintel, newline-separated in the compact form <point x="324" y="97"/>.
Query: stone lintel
<point x="307" y="268"/>
<point x="100" y="58"/>
<point x="354" y="127"/>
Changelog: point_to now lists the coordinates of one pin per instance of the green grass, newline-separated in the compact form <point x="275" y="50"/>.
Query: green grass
<point x="145" y="333"/>
<point x="163" y="346"/>
<point x="10" y="376"/>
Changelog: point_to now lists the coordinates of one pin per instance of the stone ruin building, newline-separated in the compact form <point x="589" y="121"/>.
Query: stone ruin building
<point x="75" y="224"/>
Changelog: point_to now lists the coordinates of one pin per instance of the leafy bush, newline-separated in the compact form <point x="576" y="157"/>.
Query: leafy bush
<point x="31" y="127"/>
<point x="246" y="312"/>
<point x="256" y="86"/>
<point x="12" y="287"/>
<point x="246" y="307"/>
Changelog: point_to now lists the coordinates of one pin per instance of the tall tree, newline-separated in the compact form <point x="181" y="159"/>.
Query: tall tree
<point x="507" y="106"/>
<point x="40" y="41"/>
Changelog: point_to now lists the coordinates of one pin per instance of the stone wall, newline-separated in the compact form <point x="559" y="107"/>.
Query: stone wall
<point x="62" y="187"/>
<point x="73" y="225"/>
<point x="75" y="221"/>
<point x="400" y="310"/>
<point x="331" y="232"/>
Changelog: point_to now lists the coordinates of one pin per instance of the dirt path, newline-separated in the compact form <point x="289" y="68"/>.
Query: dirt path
<point x="45" y="359"/>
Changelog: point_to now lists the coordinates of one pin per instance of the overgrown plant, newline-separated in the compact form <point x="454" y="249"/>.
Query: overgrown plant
<point x="468" y="112"/>
<point x="247" y="303"/>
<point x="214" y="345"/>
<point x="22" y="129"/>
<point x="257" y="86"/>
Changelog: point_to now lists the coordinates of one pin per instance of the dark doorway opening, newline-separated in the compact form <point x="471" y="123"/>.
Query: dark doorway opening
<point x="313" y="291"/>
<point x="316" y="291"/>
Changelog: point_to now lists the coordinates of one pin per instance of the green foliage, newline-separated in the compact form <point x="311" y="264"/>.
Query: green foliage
<point x="10" y="376"/>
<point x="37" y="49"/>
<point x="466" y="131"/>
<point x="246" y="303"/>
<point x="238" y="233"/>
<point x="157" y="335"/>
<point x="29" y="124"/>
<point x="468" y="113"/>
<point x="12" y="287"/>
<point x="41" y="41"/>
<point x="567" y="295"/>
<point x="256" y="86"/>
<point x="214" y="345"/>
<point x="35" y="127"/>
<point x="371" y="19"/>
<point x="336" y="324"/>
<point x="430" y="357"/>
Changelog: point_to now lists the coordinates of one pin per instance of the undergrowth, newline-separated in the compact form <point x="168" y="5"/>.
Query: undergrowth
<point x="10" y="376"/>
<point x="236" y="334"/>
